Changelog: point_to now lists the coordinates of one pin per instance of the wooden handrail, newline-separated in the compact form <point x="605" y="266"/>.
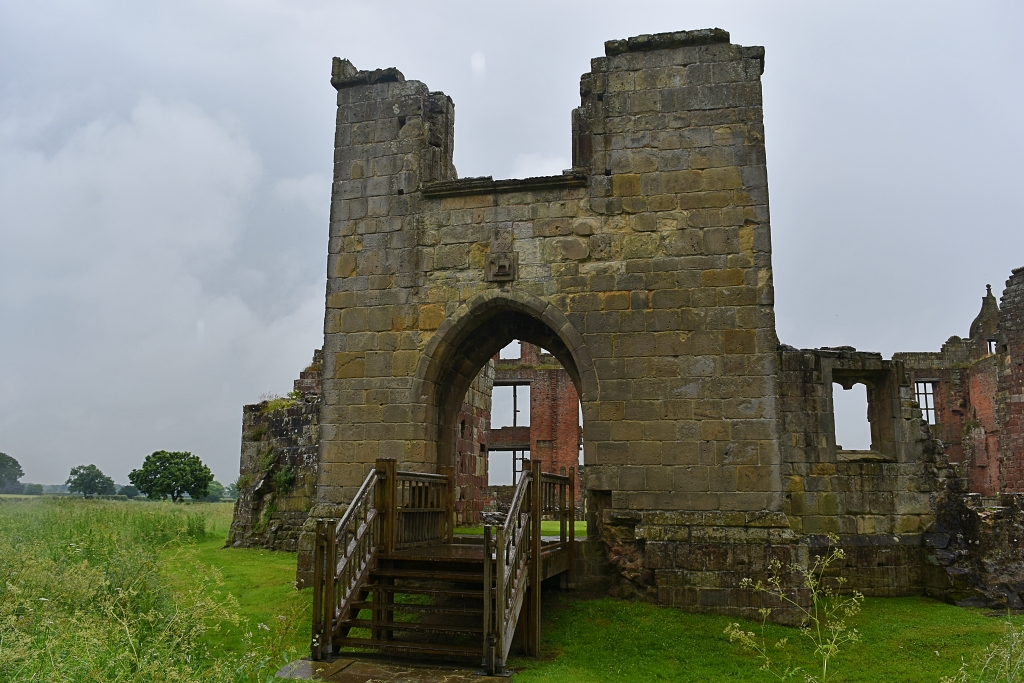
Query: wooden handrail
<point x="337" y="580"/>
<point x="424" y="508"/>
<point x="393" y="510"/>
<point x="422" y="476"/>
<point x="508" y="547"/>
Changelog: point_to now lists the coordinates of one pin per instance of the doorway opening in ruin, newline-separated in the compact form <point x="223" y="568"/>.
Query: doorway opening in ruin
<point x="495" y="408"/>
<point x="852" y="422"/>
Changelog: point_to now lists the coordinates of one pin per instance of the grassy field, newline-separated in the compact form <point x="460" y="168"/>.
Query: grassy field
<point x="139" y="591"/>
<point x="262" y="582"/>
<point x="547" y="528"/>
<point x="133" y="591"/>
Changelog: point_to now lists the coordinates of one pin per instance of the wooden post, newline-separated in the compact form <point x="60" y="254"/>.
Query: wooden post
<point x="500" y="599"/>
<point x="488" y="654"/>
<point x="536" y="509"/>
<point x="319" y="561"/>
<point x="450" y="514"/>
<point x="572" y="528"/>
<point x="563" y="510"/>
<point x="331" y="582"/>
<point x="387" y="502"/>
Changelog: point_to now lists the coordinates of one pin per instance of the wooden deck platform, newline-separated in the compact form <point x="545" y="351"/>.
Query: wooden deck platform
<point x="391" y="577"/>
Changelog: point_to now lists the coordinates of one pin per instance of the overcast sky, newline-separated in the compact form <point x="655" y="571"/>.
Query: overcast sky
<point x="165" y="182"/>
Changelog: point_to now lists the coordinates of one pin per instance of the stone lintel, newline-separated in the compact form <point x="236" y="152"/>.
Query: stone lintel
<point x="487" y="185"/>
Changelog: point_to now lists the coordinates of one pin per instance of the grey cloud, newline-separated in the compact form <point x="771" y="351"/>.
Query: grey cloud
<point x="127" y="219"/>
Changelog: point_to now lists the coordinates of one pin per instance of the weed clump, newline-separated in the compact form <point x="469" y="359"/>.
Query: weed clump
<point x="284" y="478"/>
<point x="824" y="622"/>
<point x="1001" y="662"/>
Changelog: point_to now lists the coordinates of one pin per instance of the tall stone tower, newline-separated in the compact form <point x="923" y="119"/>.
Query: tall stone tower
<point x="645" y="270"/>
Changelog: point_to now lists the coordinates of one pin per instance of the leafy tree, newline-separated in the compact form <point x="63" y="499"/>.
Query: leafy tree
<point x="215" y="493"/>
<point x="129" y="491"/>
<point x="89" y="481"/>
<point x="172" y="473"/>
<point x="231" y="491"/>
<point x="33" y="489"/>
<point x="10" y="471"/>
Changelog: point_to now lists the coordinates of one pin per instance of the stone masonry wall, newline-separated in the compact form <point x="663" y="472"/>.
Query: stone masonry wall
<point x="878" y="502"/>
<point x="974" y="556"/>
<point x="645" y="270"/>
<point x="278" y="467"/>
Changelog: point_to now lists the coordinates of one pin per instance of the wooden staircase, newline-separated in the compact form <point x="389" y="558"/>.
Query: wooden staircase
<point x="390" y="576"/>
<point x="425" y="602"/>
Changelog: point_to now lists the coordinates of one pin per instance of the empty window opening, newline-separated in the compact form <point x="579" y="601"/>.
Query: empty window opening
<point x="580" y="425"/>
<point x="462" y="429"/>
<point x="510" y="406"/>
<point x="514" y="351"/>
<point x="925" y="394"/>
<point x="991" y="346"/>
<point x="850" y="408"/>
<point x="504" y="467"/>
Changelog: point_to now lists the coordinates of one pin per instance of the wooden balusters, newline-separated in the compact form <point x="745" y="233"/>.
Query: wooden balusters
<point x="570" y="581"/>
<point x="536" y="576"/>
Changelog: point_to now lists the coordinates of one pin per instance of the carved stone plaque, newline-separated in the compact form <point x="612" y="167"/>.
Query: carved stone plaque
<point x="501" y="240"/>
<point x="502" y="262"/>
<point x="502" y="267"/>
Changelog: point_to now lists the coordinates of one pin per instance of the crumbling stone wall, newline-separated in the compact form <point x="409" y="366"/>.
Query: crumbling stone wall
<point x="279" y="464"/>
<point x="879" y="501"/>
<point x="974" y="556"/>
<point x="964" y="375"/>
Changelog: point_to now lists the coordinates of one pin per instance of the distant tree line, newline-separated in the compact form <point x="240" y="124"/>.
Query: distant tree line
<point x="174" y="474"/>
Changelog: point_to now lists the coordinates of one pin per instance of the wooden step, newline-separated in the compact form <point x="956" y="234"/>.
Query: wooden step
<point x="422" y="609"/>
<point x="411" y="648"/>
<point x="428" y="575"/>
<point x="413" y="626"/>
<point x="439" y="553"/>
<point x="445" y="592"/>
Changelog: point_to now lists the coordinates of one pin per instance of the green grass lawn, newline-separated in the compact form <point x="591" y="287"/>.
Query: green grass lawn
<point x="547" y="528"/>
<point x="262" y="581"/>
<point x="904" y="639"/>
<point x="76" y="543"/>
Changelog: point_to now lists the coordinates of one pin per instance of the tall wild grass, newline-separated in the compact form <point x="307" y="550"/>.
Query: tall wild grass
<point x="85" y="595"/>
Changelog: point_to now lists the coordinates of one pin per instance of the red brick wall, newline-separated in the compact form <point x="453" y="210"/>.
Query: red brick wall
<point x="1011" y="382"/>
<point x="471" y="445"/>
<point x="554" y="431"/>
<point x="983" y="430"/>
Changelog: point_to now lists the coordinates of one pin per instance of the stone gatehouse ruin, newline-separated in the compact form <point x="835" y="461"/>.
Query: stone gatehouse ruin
<point x="645" y="272"/>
